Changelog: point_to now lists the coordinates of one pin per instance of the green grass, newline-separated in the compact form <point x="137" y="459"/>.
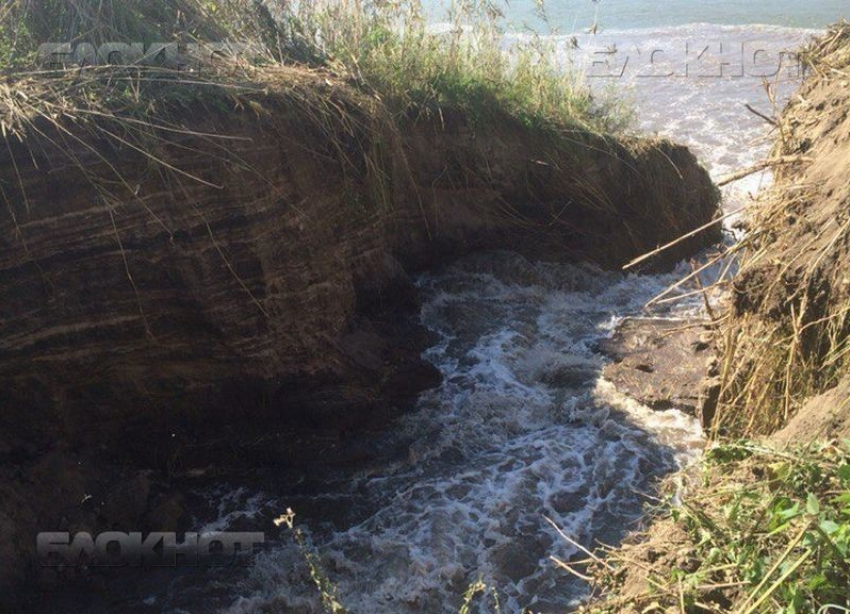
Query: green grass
<point x="391" y="52"/>
<point x="383" y="47"/>
<point x="762" y="531"/>
<point x="388" y="48"/>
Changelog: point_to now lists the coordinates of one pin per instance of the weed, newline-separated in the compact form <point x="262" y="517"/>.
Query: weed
<point x="763" y="530"/>
<point x="327" y="590"/>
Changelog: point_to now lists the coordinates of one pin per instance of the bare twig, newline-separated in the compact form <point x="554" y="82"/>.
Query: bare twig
<point x="761" y="166"/>
<point x="769" y="120"/>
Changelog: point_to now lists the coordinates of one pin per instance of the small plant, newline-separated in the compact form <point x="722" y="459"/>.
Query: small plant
<point x="327" y="590"/>
<point x="764" y="531"/>
<point x="479" y="587"/>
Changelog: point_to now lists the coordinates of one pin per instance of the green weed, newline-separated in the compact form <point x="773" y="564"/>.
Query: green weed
<point x="764" y="531"/>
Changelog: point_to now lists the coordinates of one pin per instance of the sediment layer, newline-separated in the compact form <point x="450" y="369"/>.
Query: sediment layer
<point x="203" y="291"/>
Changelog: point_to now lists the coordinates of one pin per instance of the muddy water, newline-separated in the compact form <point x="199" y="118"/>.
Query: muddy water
<point x="523" y="427"/>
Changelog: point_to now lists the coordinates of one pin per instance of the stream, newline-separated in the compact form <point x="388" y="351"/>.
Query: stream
<point x="523" y="428"/>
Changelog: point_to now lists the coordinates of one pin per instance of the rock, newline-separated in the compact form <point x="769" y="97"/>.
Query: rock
<point x="664" y="364"/>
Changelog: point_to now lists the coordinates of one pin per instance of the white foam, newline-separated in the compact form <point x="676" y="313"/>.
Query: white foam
<point x="233" y="506"/>
<point x="522" y="427"/>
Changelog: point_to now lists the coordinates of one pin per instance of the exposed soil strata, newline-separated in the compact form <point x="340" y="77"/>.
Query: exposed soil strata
<point x="787" y="337"/>
<point x="208" y="300"/>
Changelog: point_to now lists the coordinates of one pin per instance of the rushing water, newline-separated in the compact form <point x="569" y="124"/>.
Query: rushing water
<point x="523" y="427"/>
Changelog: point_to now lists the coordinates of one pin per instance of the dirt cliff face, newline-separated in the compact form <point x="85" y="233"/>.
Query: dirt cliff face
<point x="239" y="275"/>
<point x="248" y="275"/>
<point x="788" y="333"/>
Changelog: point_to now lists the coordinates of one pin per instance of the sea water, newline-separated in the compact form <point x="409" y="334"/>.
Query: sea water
<point x="574" y="16"/>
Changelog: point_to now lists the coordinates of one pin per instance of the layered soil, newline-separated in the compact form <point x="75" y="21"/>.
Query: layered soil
<point x="787" y="337"/>
<point x="235" y="282"/>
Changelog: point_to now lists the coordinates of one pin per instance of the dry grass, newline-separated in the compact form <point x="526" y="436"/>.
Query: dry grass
<point x="383" y="47"/>
<point x="789" y="337"/>
<point x="355" y="70"/>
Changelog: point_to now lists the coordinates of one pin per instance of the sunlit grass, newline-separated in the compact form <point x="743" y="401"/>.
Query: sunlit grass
<point x="385" y="47"/>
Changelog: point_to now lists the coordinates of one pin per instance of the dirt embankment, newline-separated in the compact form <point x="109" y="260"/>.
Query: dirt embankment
<point x="785" y="382"/>
<point x="238" y="278"/>
<point x="787" y="340"/>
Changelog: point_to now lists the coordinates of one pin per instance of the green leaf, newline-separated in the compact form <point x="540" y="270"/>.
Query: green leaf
<point x="789" y="513"/>
<point x="812" y="505"/>
<point x="779" y="529"/>
<point x="829" y="527"/>
<point x="816" y="582"/>
<point x="844" y="473"/>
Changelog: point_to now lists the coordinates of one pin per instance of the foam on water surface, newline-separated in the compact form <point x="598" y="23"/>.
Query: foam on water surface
<point x="523" y="428"/>
<point x="716" y="70"/>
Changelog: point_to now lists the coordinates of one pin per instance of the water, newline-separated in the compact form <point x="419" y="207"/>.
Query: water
<point x="696" y="88"/>
<point x="574" y="16"/>
<point x="523" y="427"/>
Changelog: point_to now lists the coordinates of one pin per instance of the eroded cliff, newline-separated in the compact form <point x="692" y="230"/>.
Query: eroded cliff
<point x="207" y="280"/>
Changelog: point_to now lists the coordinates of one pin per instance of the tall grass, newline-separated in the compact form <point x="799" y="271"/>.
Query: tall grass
<point x="385" y="47"/>
<point x="389" y="48"/>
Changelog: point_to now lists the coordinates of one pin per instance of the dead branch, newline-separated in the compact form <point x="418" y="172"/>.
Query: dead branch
<point x="738" y="175"/>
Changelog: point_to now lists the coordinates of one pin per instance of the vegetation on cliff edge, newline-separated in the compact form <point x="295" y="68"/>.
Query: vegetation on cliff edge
<point x="384" y="48"/>
<point x="788" y="334"/>
<point x="756" y="528"/>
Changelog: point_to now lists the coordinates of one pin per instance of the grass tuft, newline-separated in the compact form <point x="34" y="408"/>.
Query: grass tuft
<point x="385" y="47"/>
<point x="760" y="531"/>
